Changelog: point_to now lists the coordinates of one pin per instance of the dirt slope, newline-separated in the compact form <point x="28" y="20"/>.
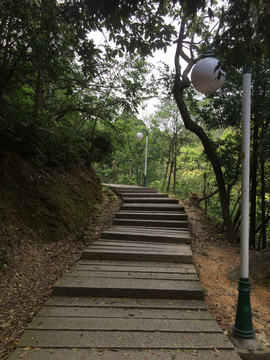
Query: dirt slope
<point x="36" y="266"/>
<point x="217" y="263"/>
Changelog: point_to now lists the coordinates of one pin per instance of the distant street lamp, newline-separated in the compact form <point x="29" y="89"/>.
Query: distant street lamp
<point x="140" y="137"/>
<point x="207" y="77"/>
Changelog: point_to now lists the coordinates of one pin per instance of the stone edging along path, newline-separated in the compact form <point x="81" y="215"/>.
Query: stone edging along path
<point x="134" y="294"/>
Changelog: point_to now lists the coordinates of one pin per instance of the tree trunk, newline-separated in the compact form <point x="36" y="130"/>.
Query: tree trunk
<point x="204" y="193"/>
<point x="174" y="171"/>
<point x="235" y="205"/>
<point x="138" y="175"/>
<point x="263" y="228"/>
<point x="237" y="215"/>
<point x="130" y="170"/>
<point x="38" y="92"/>
<point x="114" y="172"/>
<point x="165" y="176"/>
<point x="266" y="221"/>
<point x="179" y="87"/>
<point x="170" y="176"/>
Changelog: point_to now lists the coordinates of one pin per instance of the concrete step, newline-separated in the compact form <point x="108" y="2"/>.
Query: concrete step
<point x="135" y="267"/>
<point x="131" y="275"/>
<point x="151" y="215"/>
<point x="137" y="245"/>
<point x="122" y="354"/>
<point x="151" y="252"/>
<point x="79" y="323"/>
<point x="120" y="324"/>
<point x="144" y="194"/>
<point x="147" y="234"/>
<point x="136" y="189"/>
<point x="133" y="270"/>
<point x="131" y="288"/>
<point x="175" y="309"/>
<point x="110" y="323"/>
<point x="152" y="223"/>
<point x="149" y="200"/>
<point x="152" y="207"/>
<point x="123" y="340"/>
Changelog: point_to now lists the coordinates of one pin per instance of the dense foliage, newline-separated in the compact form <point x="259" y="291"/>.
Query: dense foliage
<point x="56" y="85"/>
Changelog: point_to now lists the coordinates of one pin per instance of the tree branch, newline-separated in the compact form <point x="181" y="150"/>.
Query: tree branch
<point x="197" y="199"/>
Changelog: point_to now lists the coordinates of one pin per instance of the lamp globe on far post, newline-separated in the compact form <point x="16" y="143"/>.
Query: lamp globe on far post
<point x="139" y="135"/>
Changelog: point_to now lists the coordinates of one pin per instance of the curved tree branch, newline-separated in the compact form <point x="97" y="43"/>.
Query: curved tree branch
<point x="180" y="84"/>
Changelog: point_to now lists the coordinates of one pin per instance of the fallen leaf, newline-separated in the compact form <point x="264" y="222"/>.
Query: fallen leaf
<point x="8" y="323"/>
<point x="27" y="348"/>
<point x="150" y="351"/>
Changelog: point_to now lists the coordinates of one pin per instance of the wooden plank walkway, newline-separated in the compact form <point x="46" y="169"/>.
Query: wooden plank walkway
<point x="133" y="295"/>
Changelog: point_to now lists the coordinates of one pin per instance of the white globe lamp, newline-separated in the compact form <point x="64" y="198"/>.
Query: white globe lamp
<point x="207" y="76"/>
<point x="139" y="135"/>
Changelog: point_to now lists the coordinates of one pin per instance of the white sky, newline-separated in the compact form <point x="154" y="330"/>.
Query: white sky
<point x="159" y="55"/>
<point x="167" y="58"/>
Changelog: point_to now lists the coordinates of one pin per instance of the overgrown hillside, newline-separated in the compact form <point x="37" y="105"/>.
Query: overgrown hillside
<point x="46" y="204"/>
<point x="47" y="217"/>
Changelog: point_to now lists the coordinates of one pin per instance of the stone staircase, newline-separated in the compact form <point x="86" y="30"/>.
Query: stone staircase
<point x="134" y="294"/>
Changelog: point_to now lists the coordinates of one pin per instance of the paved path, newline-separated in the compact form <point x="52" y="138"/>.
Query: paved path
<point x="133" y="295"/>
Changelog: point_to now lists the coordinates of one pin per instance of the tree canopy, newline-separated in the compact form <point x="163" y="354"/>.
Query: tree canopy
<point x="56" y="84"/>
<point x="242" y="28"/>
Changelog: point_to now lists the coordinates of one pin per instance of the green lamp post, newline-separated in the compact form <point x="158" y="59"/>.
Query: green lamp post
<point x="207" y="78"/>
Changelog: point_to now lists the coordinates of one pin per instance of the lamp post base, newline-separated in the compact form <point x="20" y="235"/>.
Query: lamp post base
<point x="144" y="181"/>
<point x="243" y="328"/>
